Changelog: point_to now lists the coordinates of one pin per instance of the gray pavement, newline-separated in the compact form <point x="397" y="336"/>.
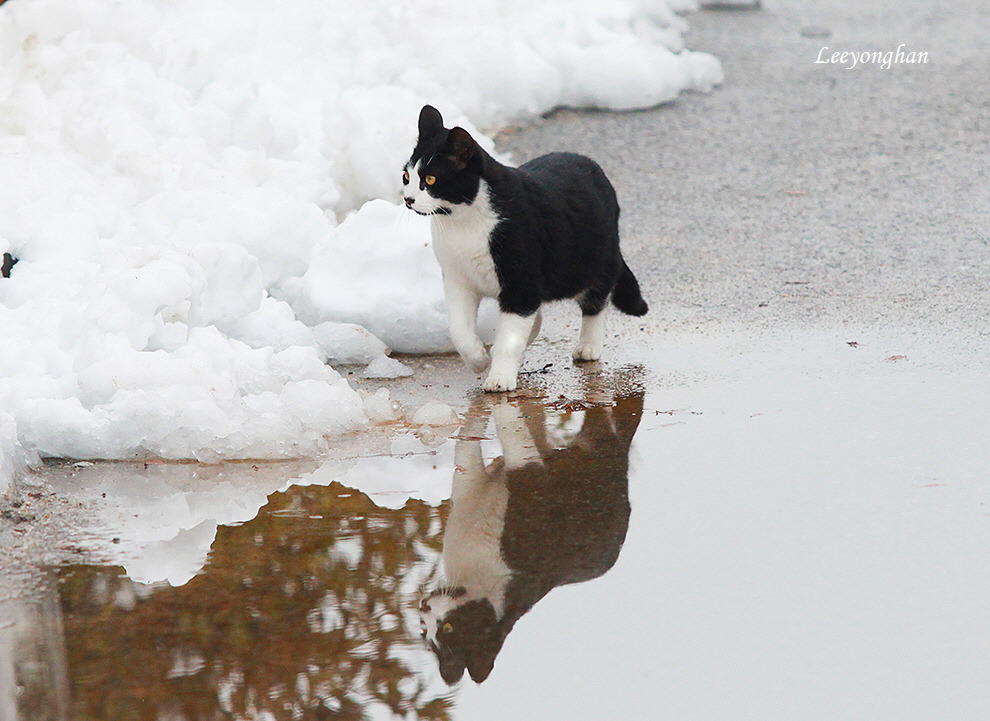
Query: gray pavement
<point x="804" y="193"/>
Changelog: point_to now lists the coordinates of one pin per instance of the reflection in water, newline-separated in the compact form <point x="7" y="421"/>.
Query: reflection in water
<point x="309" y="611"/>
<point x="33" y="673"/>
<point x="298" y="614"/>
<point x="552" y="510"/>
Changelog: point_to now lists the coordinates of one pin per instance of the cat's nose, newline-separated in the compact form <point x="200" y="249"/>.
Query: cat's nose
<point x="409" y="202"/>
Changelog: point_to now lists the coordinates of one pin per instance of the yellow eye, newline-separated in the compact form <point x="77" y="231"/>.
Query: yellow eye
<point x="447" y="628"/>
<point x="429" y="180"/>
<point x="405" y="178"/>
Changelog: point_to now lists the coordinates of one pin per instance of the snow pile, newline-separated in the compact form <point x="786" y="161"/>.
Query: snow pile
<point x="172" y="176"/>
<point x="380" y="273"/>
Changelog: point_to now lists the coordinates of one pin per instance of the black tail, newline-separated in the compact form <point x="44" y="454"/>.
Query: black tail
<point x="626" y="296"/>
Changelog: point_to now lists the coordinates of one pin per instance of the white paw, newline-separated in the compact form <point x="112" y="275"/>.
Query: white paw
<point x="476" y="358"/>
<point x="587" y="352"/>
<point x="499" y="382"/>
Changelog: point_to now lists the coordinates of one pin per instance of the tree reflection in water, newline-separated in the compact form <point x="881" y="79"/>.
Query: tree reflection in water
<point x="298" y="614"/>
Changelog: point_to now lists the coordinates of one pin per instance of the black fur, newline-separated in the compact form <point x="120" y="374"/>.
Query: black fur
<point x="558" y="235"/>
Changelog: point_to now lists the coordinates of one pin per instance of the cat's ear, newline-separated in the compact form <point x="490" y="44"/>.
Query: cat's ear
<point x="430" y="122"/>
<point x="481" y="660"/>
<point x="461" y="147"/>
<point x="451" y="667"/>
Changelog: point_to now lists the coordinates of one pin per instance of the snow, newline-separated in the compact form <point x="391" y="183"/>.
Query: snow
<point x="14" y="458"/>
<point x="720" y="4"/>
<point x="186" y="188"/>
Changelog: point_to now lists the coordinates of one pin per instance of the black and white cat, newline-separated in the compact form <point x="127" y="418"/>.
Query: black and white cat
<point x="552" y="510"/>
<point x="547" y="230"/>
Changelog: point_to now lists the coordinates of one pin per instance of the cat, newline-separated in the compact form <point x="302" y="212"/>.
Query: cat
<point x="547" y="230"/>
<point x="551" y="511"/>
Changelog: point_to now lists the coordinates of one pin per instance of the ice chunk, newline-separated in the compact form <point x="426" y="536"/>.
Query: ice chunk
<point x="385" y="367"/>
<point x="380" y="408"/>
<point x="435" y="413"/>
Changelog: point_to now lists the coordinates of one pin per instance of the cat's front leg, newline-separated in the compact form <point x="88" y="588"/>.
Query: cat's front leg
<point x="462" y="313"/>
<point x="519" y="448"/>
<point x="511" y="338"/>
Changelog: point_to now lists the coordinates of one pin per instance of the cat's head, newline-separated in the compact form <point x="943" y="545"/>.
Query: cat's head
<point x="464" y="633"/>
<point x="444" y="171"/>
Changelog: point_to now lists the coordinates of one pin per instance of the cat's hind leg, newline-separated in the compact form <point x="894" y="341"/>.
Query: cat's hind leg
<point x="537" y="323"/>
<point x="592" y="338"/>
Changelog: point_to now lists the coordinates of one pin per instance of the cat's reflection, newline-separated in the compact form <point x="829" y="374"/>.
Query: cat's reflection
<point x="552" y="510"/>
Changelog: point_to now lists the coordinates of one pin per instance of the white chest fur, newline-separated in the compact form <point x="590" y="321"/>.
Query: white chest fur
<point x="460" y="242"/>
<point x="472" y="555"/>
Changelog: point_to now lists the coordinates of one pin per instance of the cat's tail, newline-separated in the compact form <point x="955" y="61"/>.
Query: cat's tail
<point x="626" y="296"/>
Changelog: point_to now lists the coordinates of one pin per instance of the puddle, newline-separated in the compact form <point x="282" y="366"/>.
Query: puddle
<point x="299" y="609"/>
<point x="783" y="533"/>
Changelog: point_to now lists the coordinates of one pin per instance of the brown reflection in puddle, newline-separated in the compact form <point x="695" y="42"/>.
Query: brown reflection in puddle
<point x="553" y="509"/>
<point x="297" y="614"/>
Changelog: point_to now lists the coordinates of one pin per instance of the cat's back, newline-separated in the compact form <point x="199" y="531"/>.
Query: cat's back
<point x="568" y="173"/>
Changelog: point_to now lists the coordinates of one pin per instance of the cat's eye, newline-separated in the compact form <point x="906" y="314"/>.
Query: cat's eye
<point x="430" y="179"/>
<point x="447" y="627"/>
<point x="405" y="177"/>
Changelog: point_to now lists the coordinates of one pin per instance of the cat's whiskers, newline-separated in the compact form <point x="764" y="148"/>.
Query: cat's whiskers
<point x="440" y="225"/>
